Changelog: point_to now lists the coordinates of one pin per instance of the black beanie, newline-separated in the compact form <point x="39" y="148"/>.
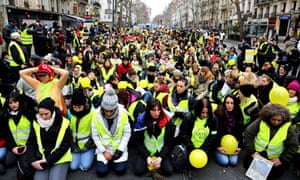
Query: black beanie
<point x="247" y="90"/>
<point x="78" y="98"/>
<point x="47" y="103"/>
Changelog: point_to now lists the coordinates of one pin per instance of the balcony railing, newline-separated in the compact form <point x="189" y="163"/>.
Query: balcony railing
<point x="260" y="16"/>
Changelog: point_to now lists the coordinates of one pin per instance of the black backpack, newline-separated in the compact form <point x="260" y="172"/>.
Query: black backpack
<point x="179" y="156"/>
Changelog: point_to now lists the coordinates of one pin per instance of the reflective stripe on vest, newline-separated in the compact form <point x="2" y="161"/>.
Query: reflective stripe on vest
<point x="106" y="75"/>
<point x="26" y="38"/>
<point x="246" y="117"/>
<point x="81" y="133"/>
<point x="67" y="157"/>
<point x="76" y="84"/>
<point x="275" y="146"/>
<point x="182" y="106"/>
<point x="261" y="46"/>
<point x="12" y="63"/>
<point x="154" y="144"/>
<point x="21" y="131"/>
<point x="106" y="137"/>
<point x="199" y="132"/>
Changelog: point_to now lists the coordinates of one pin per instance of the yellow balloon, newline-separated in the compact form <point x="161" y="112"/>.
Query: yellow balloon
<point x="198" y="158"/>
<point x="229" y="143"/>
<point x="279" y="95"/>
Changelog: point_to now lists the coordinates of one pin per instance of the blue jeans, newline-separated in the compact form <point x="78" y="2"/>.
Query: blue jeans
<point x="119" y="168"/>
<point x="225" y="160"/>
<point x="3" y="151"/>
<point x="82" y="160"/>
<point x="57" y="171"/>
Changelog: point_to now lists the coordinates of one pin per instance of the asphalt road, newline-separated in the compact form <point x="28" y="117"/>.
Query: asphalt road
<point x="211" y="171"/>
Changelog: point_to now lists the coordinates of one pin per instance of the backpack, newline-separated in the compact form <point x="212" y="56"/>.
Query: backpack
<point x="178" y="159"/>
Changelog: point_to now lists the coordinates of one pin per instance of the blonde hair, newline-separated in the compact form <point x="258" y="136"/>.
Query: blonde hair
<point x="247" y="78"/>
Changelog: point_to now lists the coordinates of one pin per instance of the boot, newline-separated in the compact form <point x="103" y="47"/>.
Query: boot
<point x="157" y="176"/>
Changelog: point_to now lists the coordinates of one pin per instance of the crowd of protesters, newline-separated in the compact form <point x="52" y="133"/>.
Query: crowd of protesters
<point x="69" y="94"/>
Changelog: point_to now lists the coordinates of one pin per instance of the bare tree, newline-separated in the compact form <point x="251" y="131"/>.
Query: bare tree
<point x="239" y="15"/>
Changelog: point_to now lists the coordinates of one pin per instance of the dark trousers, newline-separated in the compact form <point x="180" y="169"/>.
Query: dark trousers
<point x="140" y="166"/>
<point x="119" y="168"/>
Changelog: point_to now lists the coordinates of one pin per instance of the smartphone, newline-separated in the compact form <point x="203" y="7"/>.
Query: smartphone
<point x="44" y="165"/>
<point x="21" y="149"/>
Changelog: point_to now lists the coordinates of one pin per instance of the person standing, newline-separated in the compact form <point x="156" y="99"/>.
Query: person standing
<point x="111" y="133"/>
<point x="26" y="36"/>
<point x="17" y="55"/>
<point x="9" y="28"/>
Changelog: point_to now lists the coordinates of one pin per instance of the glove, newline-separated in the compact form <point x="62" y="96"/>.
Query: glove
<point x="117" y="155"/>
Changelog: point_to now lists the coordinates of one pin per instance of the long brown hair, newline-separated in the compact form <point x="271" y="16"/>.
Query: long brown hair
<point x="149" y="121"/>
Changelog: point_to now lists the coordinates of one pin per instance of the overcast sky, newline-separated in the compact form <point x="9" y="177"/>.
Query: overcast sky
<point x="157" y="6"/>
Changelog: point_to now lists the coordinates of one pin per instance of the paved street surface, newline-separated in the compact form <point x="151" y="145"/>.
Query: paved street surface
<point x="211" y="172"/>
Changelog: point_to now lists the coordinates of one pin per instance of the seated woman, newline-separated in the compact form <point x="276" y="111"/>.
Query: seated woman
<point x="200" y="131"/>
<point x="272" y="137"/>
<point x="154" y="141"/>
<point x="230" y="121"/>
<point x="82" y="146"/>
<point x="49" y="143"/>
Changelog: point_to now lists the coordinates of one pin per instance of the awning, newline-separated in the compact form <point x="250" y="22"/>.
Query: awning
<point x="72" y="18"/>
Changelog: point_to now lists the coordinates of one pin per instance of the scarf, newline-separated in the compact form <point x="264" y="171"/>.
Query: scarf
<point x="293" y="100"/>
<point x="45" y="123"/>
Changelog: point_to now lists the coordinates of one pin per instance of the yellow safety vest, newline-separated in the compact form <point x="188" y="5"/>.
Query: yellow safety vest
<point x="293" y="109"/>
<point x="132" y="107"/>
<point x="199" y="132"/>
<point x="106" y="75"/>
<point x="161" y="96"/>
<point x="275" y="146"/>
<point x="246" y="117"/>
<point x="76" y="84"/>
<point x="21" y="131"/>
<point x="12" y="63"/>
<point x="49" y="89"/>
<point x="81" y="133"/>
<point x="67" y="157"/>
<point x="106" y="136"/>
<point x="154" y="144"/>
<point x="26" y="37"/>
<point x="182" y="106"/>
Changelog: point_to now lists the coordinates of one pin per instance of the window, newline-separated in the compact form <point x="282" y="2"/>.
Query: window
<point x="283" y="7"/>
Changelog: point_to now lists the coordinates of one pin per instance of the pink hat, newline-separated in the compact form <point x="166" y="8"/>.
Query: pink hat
<point x="294" y="85"/>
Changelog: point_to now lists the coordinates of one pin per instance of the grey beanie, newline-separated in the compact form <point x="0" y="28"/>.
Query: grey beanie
<point x="109" y="100"/>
